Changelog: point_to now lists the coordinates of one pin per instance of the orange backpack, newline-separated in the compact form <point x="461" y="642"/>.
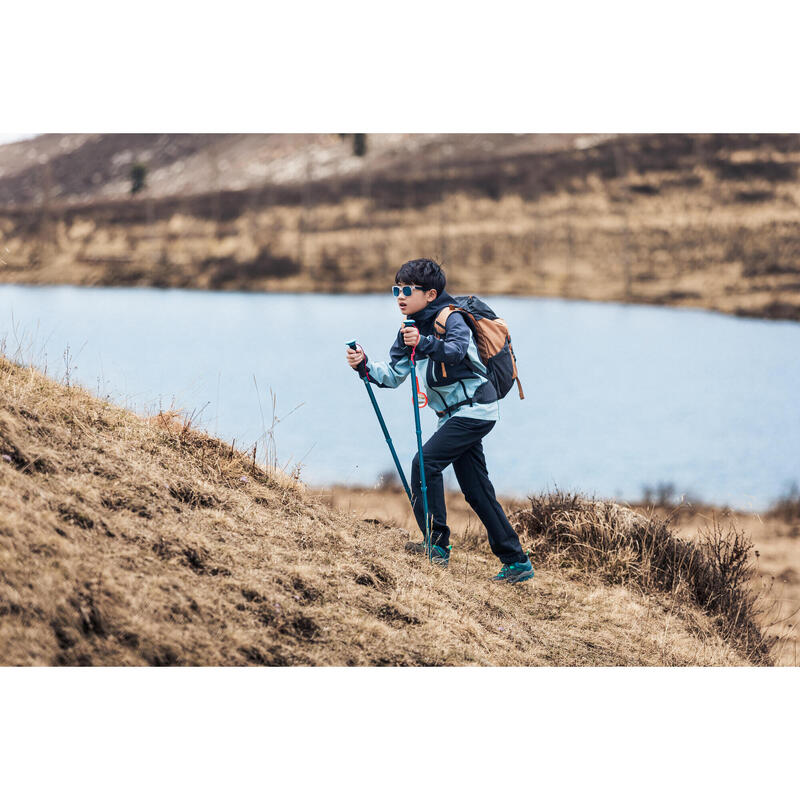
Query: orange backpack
<point x="492" y="338"/>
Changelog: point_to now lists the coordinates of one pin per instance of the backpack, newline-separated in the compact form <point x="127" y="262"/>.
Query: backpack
<point x="492" y="338"/>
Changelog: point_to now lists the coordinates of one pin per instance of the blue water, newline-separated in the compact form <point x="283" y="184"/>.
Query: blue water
<point x="617" y="397"/>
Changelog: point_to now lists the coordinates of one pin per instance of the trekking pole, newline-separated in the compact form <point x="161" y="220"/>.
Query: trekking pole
<point x="409" y="323"/>
<point x="362" y="371"/>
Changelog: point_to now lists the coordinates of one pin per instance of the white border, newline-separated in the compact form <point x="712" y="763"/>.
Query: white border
<point x="303" y="732"/>
<point x="419" y="66"/>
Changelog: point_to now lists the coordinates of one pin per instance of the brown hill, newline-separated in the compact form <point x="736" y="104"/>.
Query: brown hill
<point x="70" y="168"/>
<point x="694" y="220"/>
<point x="126" y="540"/>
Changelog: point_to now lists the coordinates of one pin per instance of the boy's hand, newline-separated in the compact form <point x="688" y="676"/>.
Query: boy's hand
<point x="355" y="357"/>
<point x="410" y="336"/>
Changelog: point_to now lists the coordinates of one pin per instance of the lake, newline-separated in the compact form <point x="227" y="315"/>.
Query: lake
<point x="618" y="397"/>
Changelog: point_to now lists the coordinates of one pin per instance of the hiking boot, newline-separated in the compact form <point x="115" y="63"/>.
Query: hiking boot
<point x="440" y="555"/>
<point x="515" y="573"/>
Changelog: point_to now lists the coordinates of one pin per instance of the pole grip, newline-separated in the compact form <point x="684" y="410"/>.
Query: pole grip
<point x="409" y="323"/>
<point x="362" y="367"/>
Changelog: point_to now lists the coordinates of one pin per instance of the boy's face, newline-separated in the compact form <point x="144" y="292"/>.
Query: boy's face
<point x="416" y="302"/>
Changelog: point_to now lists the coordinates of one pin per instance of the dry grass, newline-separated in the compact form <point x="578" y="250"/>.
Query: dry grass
<point x="613" y="543"/>
<point x="776" y="580"/>
<point x="128" y="541"/>
<point x="713" y="573"/>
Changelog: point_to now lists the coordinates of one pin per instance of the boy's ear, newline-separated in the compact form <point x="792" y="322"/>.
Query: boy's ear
<point x="435" y="295"/>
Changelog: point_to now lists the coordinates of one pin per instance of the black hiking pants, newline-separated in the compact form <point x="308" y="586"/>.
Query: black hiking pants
<point x="458" y="442"/>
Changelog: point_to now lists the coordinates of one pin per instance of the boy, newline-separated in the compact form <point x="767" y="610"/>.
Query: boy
<point x="453" y="377"/>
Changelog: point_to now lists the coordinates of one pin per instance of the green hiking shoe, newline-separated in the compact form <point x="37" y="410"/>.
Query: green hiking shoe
<point x="440" y="555"/>
<point x="515" y="573"/>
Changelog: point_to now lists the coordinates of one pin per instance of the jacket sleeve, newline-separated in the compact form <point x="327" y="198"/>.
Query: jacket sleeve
<point x="391" y="374"/>
<point x="453" y="348"/>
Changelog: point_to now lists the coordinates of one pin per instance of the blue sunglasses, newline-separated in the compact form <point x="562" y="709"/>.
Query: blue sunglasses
<point x="406" y="290"/>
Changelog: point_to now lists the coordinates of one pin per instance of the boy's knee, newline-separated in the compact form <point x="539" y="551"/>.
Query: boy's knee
<point x="432" y="470"/>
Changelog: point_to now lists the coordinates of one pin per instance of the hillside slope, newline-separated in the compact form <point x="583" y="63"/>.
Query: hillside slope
<point x="773" y="534"/>
<point x="128" y="541"/>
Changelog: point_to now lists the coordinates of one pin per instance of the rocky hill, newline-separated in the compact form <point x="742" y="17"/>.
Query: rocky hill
<point x="80" y="168"/>
<point x="127" y="540"/>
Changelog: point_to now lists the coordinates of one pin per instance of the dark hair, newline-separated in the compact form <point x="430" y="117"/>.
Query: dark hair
<point x="424" y="272"/>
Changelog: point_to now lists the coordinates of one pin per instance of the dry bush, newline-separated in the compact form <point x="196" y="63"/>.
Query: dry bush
<point x="626" y="547"/>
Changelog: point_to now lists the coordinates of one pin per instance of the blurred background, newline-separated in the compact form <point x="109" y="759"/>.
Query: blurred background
<point x="708" y="221"/>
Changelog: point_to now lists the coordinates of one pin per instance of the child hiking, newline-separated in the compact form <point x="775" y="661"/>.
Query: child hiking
<point x="442" y="347"/>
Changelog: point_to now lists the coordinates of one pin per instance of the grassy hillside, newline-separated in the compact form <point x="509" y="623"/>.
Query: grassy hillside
<point x="693" y="220"/>
<point x="774" y="534"/>
<point x="126" y="540"/>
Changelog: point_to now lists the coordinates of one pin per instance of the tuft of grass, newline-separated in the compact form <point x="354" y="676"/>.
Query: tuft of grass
<point x="715" y="572"/>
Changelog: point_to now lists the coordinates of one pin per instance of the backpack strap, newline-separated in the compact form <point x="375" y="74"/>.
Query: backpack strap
<point x="450" y="409"/>
<point x="439" y="325"/>
<point x="441" y="320"/>
<point x="515" y="376"/>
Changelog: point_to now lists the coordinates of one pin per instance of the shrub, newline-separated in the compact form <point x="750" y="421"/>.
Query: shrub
<point x="627" y="547"/>
<point x="138" y="175"/>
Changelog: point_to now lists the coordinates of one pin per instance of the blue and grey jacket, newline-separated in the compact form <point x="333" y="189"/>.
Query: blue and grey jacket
<point x="462" y="388"/>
